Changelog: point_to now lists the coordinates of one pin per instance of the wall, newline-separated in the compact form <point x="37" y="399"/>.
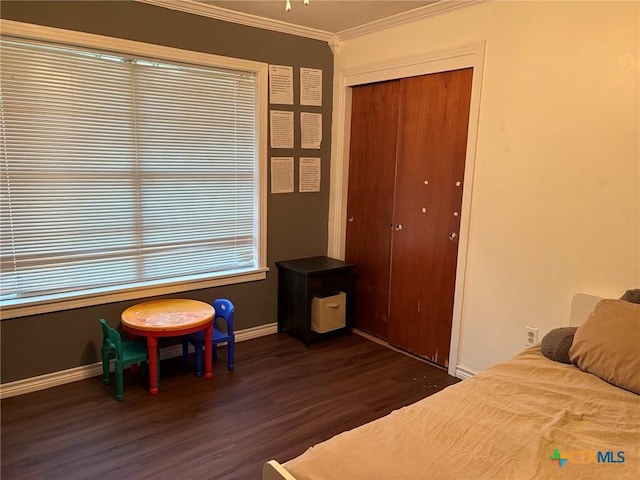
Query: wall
<point x="556" y="192"/>
<point x="297" y="223"/>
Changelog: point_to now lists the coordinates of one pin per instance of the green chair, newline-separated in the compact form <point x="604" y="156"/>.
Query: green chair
<point x="125" y="354"/>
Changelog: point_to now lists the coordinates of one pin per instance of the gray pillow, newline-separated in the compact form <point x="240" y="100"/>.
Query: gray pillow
<point x="632" y="296"/>
<point x="556" y="344"/>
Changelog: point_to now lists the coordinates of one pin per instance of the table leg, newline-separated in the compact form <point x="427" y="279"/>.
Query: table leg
<point x="152" y="346"/>
<point x="208" y="346"/>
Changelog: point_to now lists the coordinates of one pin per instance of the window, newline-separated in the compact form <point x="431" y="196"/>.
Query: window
<point x="124" y="172"/>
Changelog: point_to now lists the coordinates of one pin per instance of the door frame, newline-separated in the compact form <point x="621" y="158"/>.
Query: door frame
<point x="471" y="55"/>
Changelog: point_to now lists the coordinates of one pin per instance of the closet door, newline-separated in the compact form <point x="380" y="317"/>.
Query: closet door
<point x="431" y="151"/>
<point x="374" y="120"/>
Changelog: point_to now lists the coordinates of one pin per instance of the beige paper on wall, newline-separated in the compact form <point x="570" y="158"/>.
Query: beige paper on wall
<point x="310" y="130"/>
<point x="281" y="84"/>
<point x="281" y="174"/>
<point x="311" y="87"/>
<point x="309" y="180"/>
<point x="281" y="129"/>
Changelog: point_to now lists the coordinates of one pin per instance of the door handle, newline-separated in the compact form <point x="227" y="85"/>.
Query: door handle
<point x="453" y="236"/>
<point x="351" y="219"/>
<point x="398" y="227"/>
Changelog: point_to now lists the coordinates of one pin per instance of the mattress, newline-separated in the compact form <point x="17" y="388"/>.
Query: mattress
<point x="526" y="418"/>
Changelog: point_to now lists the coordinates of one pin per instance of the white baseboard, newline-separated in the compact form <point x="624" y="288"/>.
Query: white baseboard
<point x="464" y="372"/>
<point x="41" y="382"/>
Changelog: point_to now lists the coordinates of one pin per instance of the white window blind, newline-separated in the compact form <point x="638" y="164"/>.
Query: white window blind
<point x="119" y="172"/>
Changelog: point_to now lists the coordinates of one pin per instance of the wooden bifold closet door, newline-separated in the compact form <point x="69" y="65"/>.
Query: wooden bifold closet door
<point x="406" y="171"/>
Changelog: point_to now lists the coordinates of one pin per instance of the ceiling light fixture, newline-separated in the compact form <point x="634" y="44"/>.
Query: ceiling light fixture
<point x="287" y="7"/>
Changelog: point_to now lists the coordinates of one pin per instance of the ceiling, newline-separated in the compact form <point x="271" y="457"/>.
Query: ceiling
<point x="330" y="16"/>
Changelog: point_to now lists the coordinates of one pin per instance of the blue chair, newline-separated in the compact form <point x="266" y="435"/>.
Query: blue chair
<point x="125" y="354"/>
<point x="224" y="311"/>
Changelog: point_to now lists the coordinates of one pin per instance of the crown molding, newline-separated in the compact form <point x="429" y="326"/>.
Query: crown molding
<point x="335" y="40"/>
<point x="438" y="8"/>
<point x="190" y="6"/>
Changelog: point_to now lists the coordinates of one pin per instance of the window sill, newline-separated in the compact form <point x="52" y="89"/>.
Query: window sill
<point x="59" y="303"/>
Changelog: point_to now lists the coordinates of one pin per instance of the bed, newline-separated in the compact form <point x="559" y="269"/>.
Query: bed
<point x="530" y="417"/>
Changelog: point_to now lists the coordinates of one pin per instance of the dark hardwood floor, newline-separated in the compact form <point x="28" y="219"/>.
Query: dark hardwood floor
<point x="281" y="399"/>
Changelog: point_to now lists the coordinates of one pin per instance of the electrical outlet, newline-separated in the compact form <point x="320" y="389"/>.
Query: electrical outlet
<point x="532" y="336"/>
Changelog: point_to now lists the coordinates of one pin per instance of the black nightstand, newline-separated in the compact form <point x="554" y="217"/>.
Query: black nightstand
<point x="302" y="279"/>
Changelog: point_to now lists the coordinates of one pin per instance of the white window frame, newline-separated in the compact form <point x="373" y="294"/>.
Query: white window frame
<point x="99" y="42"/>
